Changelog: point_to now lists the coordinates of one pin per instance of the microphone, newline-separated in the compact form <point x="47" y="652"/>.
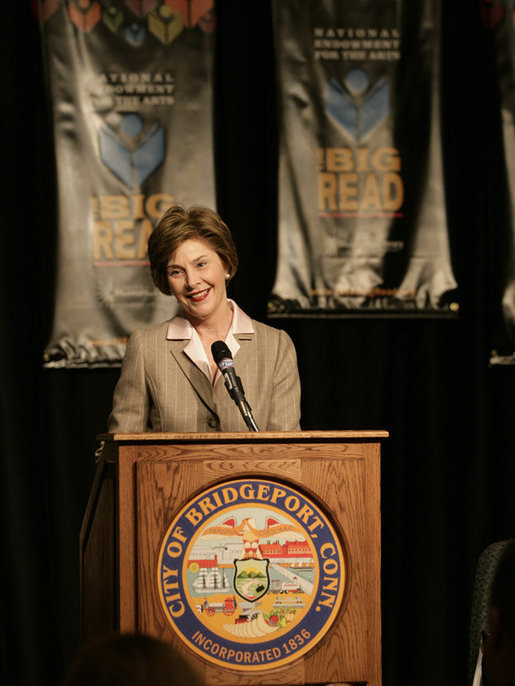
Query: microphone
<point x="225" y="363"/>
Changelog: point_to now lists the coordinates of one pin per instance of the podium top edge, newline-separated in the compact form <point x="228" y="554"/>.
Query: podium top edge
<point x="245" y="436"/>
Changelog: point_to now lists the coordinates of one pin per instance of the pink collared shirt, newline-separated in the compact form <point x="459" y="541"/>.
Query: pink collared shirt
<point x="179" y="328"/>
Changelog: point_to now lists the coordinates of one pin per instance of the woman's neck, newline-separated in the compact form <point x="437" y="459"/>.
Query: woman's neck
<point x="216" y="327"/>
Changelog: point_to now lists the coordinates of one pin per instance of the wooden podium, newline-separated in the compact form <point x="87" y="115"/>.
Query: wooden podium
<point x="145" y="482"/>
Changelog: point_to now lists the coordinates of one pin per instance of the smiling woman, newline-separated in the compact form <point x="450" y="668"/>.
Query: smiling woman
<point x="169" y="379"/>
<point x="197" y="276"/>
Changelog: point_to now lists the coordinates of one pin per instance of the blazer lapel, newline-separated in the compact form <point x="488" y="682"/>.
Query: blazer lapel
<point x="247" y="349"/>
<point x="198" y="379"/>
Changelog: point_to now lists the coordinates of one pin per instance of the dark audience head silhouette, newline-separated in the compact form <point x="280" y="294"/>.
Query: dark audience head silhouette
<point x="499" y="643"/>
<point x="130" y="660"/>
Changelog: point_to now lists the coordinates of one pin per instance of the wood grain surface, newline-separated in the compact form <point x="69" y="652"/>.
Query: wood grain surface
<point x="155" y="475"/>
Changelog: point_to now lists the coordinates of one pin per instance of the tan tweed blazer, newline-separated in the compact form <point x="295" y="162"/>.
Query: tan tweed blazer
<point x="161" y="389"/>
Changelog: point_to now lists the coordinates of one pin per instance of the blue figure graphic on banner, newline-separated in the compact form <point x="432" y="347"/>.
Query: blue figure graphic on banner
<point x="132" y="152"/>
<point x="135" y="34"/>
<point x="355" y="105"/>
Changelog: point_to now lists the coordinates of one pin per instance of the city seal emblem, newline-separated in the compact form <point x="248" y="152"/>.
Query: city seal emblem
<point x="251" y="574"/>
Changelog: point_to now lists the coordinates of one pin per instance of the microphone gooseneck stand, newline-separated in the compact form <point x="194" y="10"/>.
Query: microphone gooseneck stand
<point x="225" y="362"/>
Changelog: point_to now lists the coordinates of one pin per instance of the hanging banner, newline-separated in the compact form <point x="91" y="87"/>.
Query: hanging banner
<point x="130" y="85"/>
<point x="498" y="18"/>
<point x="362" y="217"/>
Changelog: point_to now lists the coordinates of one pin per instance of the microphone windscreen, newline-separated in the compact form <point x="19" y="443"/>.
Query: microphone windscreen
<point x="221" y="352"/>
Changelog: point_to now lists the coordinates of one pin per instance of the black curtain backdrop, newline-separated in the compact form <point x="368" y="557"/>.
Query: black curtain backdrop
<point x="448" y="467"/>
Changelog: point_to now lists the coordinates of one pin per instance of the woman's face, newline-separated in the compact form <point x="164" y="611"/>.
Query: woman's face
<point x="196" y="277"/>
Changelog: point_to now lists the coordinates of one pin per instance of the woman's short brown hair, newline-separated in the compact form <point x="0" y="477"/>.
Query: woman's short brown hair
<point x="177" y="225"/>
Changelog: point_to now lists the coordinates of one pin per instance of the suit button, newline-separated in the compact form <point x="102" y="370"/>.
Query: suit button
<point x="213" y="422"/>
